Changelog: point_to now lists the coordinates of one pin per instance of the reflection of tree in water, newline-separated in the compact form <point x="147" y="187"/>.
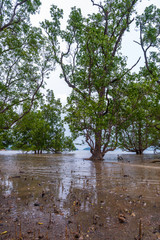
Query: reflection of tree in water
<point x="31" y="181"/>
<point x="33" y="196"/>
<point x="90" y="194"/>
<point x="112" y="193"/>
<point x="88" y="204"/>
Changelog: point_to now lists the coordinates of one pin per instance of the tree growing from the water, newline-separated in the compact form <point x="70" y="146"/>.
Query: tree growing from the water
<point x="93" y="66"/>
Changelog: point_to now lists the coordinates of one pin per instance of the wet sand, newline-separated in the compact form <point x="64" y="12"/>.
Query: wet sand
<point x="66" y="197"/>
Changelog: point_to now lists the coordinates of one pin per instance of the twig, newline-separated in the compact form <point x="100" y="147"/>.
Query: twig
<point x="140" y="230"/>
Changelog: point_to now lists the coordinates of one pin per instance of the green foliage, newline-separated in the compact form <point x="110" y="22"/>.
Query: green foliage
<point x="42" y="130"/>
<point x="108" y="105"/>
<point x="148" y="24"/>
<point x="102" y="101"/>
<point x="94" y="67"/>
<point x="5" y="139"/>
<point x="24" y="60"/>
<point x="137" y="132"/>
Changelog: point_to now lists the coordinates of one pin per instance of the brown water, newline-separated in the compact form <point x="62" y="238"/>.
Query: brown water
<point x="63" y="196"/>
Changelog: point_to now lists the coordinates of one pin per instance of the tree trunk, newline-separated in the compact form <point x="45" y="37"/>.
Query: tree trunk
<point x="97" y="153"/>
<point x="140" y="138"/>
<point x="140" y="151"/>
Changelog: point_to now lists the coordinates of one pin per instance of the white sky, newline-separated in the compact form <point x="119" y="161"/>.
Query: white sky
<point x="130" y="49"/>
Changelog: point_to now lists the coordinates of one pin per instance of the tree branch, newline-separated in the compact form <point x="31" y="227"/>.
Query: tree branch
<point x="98" y="5"/>
<point x="144" y="51"/>
<point x="118" y="78"/>
<point x="32" y="99"/>
<point x="120" y="37"/>
<point x="13" y="16"/>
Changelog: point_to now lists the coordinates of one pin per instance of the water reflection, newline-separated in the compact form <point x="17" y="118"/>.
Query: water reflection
<point x="62" y="173"/>
<point x="91" y="193"/>
<point x="6" y="185"/>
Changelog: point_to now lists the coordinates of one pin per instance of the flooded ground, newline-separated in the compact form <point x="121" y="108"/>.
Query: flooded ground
<point x="58" y="197"/>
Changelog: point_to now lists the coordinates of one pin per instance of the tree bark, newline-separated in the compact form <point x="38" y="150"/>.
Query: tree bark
<point x="140" y="151"/>
<point x="97" y="153"/>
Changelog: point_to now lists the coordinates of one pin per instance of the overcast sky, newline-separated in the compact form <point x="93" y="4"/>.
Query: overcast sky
<point x="60" y="88"/>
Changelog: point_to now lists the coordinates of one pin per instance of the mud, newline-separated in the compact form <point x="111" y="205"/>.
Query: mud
<point x="66" y="197"/>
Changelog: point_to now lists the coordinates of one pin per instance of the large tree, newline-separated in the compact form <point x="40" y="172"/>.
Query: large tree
<point x="24" y="60"/>
<point x="93" y="66"/>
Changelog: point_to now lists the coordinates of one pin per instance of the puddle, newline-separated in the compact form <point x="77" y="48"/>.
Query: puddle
<point x="63" y="196"/>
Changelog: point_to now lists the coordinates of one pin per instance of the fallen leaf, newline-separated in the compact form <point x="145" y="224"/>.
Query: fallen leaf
<point x="40" y="223"/>
<point x="4" y="232"/>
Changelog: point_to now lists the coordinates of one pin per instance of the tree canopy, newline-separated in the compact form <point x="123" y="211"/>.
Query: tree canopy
<point x="24" y="60"/>
<point x="110" y="105"/>
<point x="94" y="67"/>
<point x="42" y="130"/>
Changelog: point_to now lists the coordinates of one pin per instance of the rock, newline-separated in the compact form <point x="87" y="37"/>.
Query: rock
<point x="41" y="236"/>
<point x="36" y="204"/>
<point x="77" y="236"/>
<point x="43" y="193"/>
<point x="69" y="222"/>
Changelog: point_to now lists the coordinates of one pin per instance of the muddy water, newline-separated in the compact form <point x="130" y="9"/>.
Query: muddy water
<point x="67" y="197"/>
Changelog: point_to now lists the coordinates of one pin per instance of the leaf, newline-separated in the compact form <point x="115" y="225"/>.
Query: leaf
<point x="39" y="223"/>
<point x="4" y="232"/>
